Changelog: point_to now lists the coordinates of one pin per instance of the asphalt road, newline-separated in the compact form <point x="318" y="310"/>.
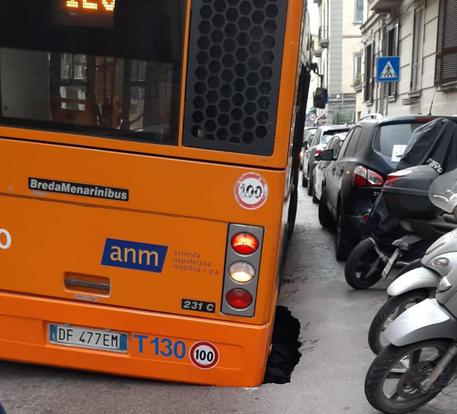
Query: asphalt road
<point x="328" y="379"/>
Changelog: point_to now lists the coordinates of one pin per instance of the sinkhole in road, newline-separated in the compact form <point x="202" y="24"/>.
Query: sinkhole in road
<point x="285" y="354"/>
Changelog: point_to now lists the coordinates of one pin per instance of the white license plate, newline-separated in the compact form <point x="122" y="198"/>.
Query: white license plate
<point x="88" y="338"/>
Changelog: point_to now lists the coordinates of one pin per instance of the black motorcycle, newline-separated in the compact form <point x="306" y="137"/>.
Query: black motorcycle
<point x="403" y="222"/>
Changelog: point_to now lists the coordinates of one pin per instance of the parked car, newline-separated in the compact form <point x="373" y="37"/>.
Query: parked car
<point x="321" y="138"/>
<point x="307" y="138"/>
<point x="335" y="143"/>
<point x="370" y="152"/>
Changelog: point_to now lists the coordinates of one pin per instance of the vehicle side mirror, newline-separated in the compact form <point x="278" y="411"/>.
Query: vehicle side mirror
<point x="327" y="155"/>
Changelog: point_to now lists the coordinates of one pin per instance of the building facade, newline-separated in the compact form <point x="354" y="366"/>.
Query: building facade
<point x="424" y="34"/>
<point x="339" y="55"/>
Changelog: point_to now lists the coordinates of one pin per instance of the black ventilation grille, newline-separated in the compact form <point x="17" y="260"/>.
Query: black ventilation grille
<point x="235" y="57"/>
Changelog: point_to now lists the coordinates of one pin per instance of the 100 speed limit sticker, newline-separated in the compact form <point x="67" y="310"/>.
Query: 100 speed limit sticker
<point x="251" y="191"/>
<point x="204" y="355"/>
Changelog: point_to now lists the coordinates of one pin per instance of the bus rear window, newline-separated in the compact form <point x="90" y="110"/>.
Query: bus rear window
<point x="113" y="69"/>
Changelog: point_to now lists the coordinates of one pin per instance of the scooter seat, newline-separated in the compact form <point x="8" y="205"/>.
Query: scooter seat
<point x="449" y="218"/>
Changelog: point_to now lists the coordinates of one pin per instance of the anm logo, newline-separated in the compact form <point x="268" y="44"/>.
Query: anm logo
<point x="133" y="255"/>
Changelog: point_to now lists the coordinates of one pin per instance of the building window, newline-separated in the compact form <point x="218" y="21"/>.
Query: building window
<point x="369" y="73"/>
<point x="359" y="11"/>
<point x="418" y="42"/>
<point x="446" y="58"/>
<point x="357" y="71"/>
<point x="392" y="50"/>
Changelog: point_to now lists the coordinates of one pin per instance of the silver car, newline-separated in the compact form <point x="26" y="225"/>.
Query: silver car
<point x="318" y="173"/>
<point x="321" y="138"/>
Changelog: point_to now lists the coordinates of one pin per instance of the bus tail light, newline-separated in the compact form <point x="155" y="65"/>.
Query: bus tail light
<point x="244" y="243"/>
<point x="241" y="273"/>
<point x="239" y="298"/>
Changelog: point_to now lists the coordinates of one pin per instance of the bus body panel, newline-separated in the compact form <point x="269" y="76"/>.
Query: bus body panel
<point x="242" y="349"/>
<point x="284" y="121"/>
<point x="180" y="198"/>
<point x="166" y="244"/>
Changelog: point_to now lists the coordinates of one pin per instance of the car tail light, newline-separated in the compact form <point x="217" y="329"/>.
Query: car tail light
<point x="241" y="272"/>
<point x="391" y="178"/>
<point x="317" y="152"/>
<point x="244" y="243"/>
<point x="364" y="177"/>
<point x="239" y="298"/>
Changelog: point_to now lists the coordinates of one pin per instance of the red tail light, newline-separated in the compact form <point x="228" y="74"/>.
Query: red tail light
<point x="391" y="178"/>
<point x="363" y="177"/>
<point x="239" y="298"/>
<point x="244" y="243"/>
<point x="317" y="152"/>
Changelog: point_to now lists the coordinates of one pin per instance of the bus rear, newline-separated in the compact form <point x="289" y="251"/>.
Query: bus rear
<point x="145" y="149"/>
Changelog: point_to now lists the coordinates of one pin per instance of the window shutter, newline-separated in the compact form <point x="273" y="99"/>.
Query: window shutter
<point x="446" y="58"/>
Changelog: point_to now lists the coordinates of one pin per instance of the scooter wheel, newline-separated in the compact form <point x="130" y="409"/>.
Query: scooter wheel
<point x="364" y="266"/>
<point x="393" y="384"/>
<point x="391" y="310"/>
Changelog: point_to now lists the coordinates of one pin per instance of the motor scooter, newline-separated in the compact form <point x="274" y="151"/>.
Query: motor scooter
<point x="401" y="226"/>
<point x="421" y="358"/>
<point x="410" y="287"/>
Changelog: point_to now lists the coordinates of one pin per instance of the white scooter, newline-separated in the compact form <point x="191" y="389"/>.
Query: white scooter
<point x="422" y="356"/>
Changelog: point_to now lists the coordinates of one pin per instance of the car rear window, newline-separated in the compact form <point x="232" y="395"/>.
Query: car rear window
<point x="309" y="134"/>
<point x="328" y="135"/>
<point x="392" y="140"/>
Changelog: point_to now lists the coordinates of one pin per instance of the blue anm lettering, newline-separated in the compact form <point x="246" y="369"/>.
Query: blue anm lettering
<point x="134" y="255"/>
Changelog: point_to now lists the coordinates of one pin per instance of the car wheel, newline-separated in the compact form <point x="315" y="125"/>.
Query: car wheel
<point x="292" y="216"/>
<point x="315" y="199"/>
<point x="310" y="183"/>
<point x="304" y="181"/>
<point x="325" y="218"/>
<point x="342" y="243"/>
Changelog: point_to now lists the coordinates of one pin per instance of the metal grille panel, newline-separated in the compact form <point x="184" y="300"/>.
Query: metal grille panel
<point x="235" y="58"/>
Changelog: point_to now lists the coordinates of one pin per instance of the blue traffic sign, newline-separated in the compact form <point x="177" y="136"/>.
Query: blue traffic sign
<point x="388" y="69"/>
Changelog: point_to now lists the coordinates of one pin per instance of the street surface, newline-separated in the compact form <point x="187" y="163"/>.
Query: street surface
<point x="328" y="379"/>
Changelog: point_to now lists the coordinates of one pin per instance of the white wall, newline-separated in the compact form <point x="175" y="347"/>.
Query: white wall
<point x="445" y="103"/>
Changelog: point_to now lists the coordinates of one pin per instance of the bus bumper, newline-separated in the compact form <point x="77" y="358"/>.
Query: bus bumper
<point x="242" y="349"/>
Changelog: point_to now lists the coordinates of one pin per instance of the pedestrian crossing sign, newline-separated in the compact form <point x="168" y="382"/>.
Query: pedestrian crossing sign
<point x="388" y="69"/>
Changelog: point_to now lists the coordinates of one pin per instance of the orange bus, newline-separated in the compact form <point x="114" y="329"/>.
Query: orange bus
<point x="149" y="154"/>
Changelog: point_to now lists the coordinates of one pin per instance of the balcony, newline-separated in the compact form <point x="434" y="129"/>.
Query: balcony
<point x="384" y="6"/>
<point x="323" y="37"/>
<point x="317" y="53"/>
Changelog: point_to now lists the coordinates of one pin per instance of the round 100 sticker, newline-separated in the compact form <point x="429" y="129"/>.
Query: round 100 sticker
<point x="204" y="355"/>
<point x="251" y="191"/>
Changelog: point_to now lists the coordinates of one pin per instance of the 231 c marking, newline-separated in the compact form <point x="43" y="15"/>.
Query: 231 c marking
<point x="198" y="306"/>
